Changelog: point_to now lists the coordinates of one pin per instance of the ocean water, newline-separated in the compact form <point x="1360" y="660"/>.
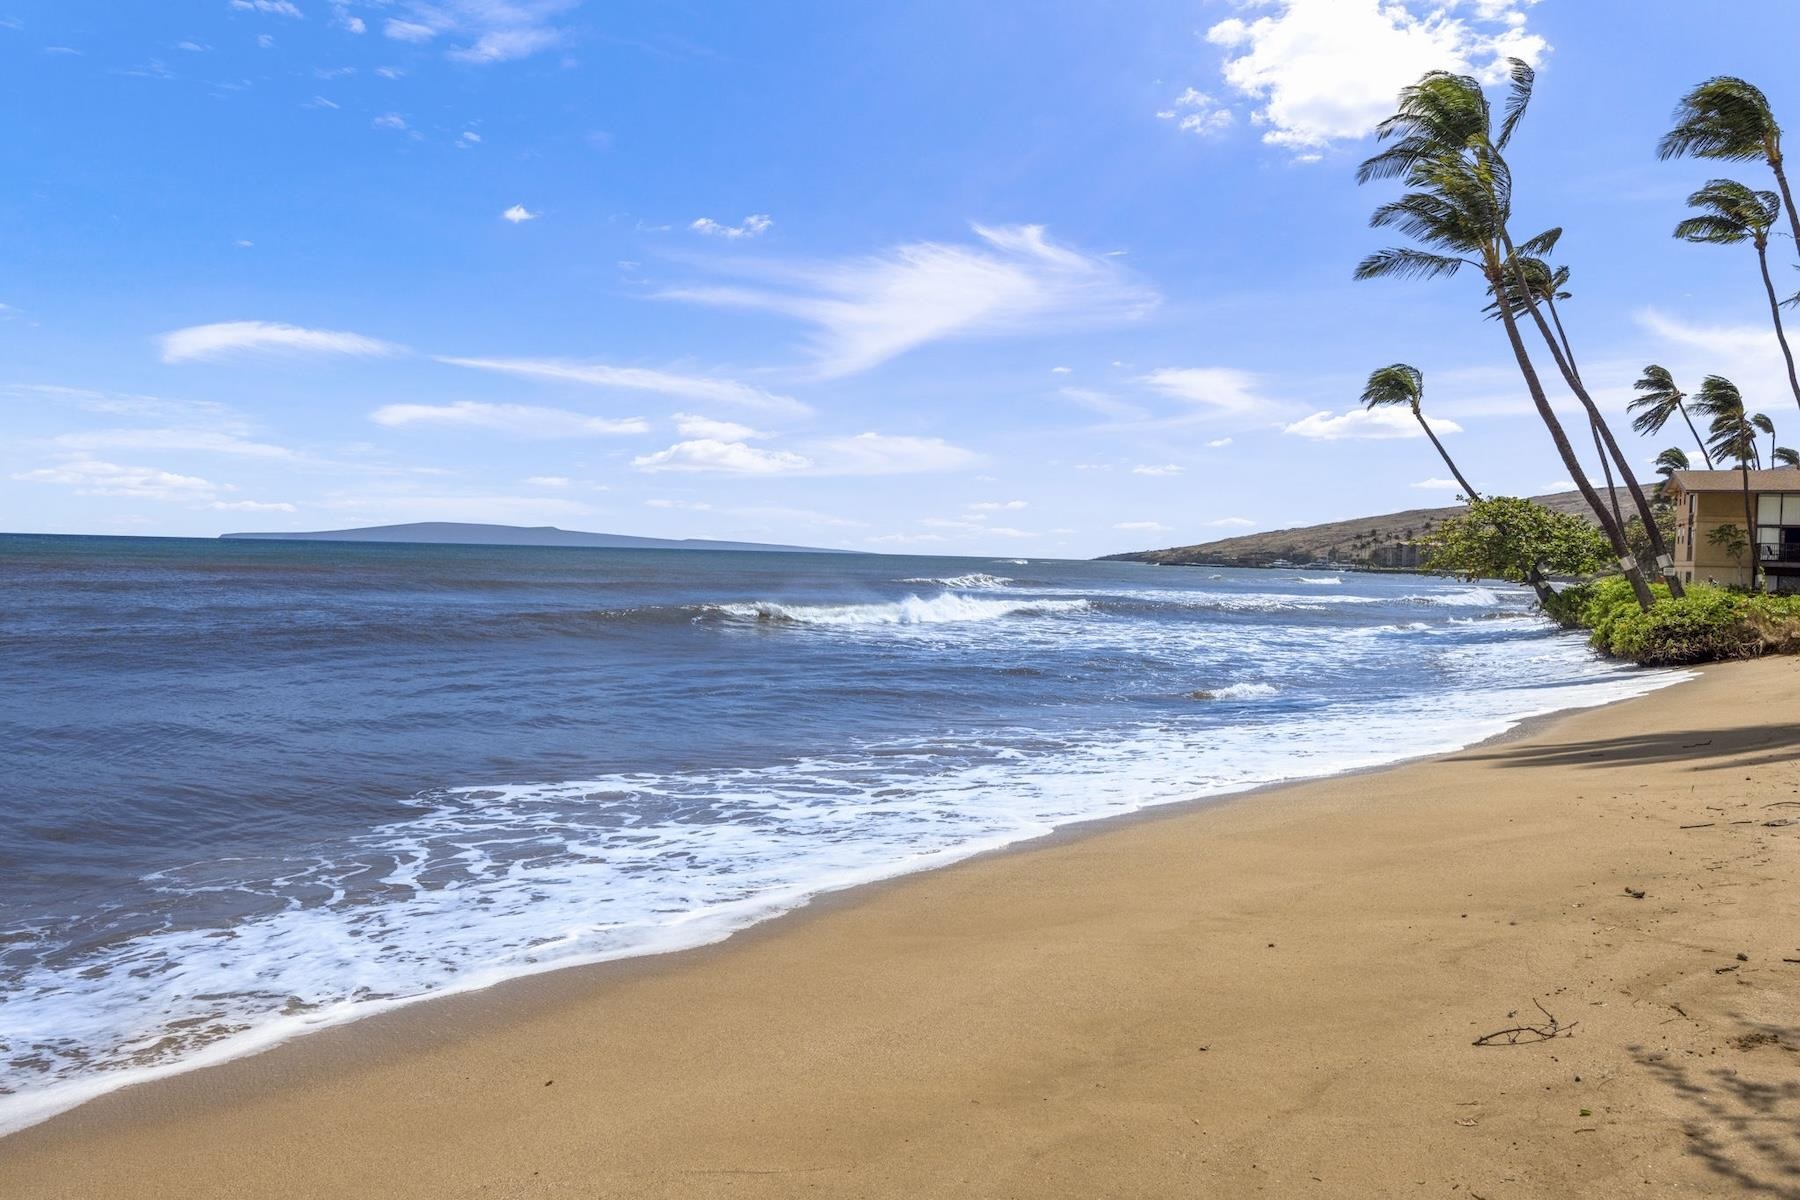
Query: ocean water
<point x="249" y="789"/>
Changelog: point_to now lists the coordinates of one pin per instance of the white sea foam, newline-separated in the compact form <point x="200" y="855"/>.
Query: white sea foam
<point x="1246" y="691"/>
<point x="971" y="582"/>
<point x="913" y="610"/>
<point x="1322" y="579"/>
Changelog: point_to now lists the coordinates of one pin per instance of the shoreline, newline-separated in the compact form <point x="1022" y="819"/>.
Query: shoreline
<point x="282" y="1032"/>
<point x="1046" y="904"/>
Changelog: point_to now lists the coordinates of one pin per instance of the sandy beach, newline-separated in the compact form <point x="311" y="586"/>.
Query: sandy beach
<point x="1276" y="995"/>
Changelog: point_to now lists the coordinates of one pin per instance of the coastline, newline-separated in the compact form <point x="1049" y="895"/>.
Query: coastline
<point x="965" y="953"/>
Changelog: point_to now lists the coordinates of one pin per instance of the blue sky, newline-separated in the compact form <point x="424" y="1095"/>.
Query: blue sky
<point x="1008" y="278"/>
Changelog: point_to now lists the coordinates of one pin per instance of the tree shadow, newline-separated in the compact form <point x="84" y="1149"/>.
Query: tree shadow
<point x="1704" y="749"/>
<point x="1744" y="1130"/>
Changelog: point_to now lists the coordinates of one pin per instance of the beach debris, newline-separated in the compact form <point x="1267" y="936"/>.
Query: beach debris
<point x="1524" y="1035"/>
<point x="1701" y="825"/>
<point x="1724" y="970"/>
<point x="1468" y="1122"/>
<point x="1635" y="893"/>
<point x="1742" y="957"/>
<point x="1760" y="1037"/>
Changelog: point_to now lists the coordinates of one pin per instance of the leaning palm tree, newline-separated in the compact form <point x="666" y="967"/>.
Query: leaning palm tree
<point x="1731" y="213"/>
<point x="1661" y="400"/>
<point x="1733" y="436"/>
<point x="1667" y="463"/>
<point x="1403" y="384"/>
<point x="1441" y="143"/>
<point x="1764" y="425"/>
<point x="1728" y="119"/>
<point x="1784" y="456"/>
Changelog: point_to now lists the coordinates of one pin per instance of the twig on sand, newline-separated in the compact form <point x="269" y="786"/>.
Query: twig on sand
<point x="1701" y="825"/>
<point x="1522" y="1035"/>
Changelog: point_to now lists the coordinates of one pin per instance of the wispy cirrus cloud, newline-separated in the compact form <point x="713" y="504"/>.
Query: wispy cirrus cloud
<point x="199" y="343"/>
<point x="864" y="311"/>
<point x="482" y="31"/>
<point x="859" y="454"/>
<point x="754" y="225"/>
<point x="1368" y="424"/>
<point x="641" y="379"/>
<point x="517" y="420"/>
<point x="1224" y="388"/>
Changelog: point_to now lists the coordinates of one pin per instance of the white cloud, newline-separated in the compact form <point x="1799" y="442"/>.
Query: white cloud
<point x="320" y="102"/>
<point x="204" y="441"/>
<point x="1327" y="70"/>
<point x="1061" y="370"/>
<point x="252" y="506"/>
<point x="754" y="225"/>
<point x="93" y="477"/>
<point x="549" y="481"/>
<point x="469" y="137"/>
<point x="1438" y="485"/>
<point x="266" y="41"/>
<point x="1141" y="526"/>
<point x="202" y="342"/>
<point x="887" y="454"/>
<point x="1232" y="523"/>
<point x="1558" y="485"/>
<point x="642" y="379"/>
<point x="486" y="31"/>
<point x="1197" y="113"/>
<point x="684" y="505"/>
<point x="518" y="213"/>
<point x="1720" y="341"/>
<point x="392" y="121"/>
<point x="408" y="31"/>
<point x="279" y="8"/>
<point x="1157" y="469"/>
<point x="520" y="420"/>
<point x="1379" y="424"/>
<point x="688" y="425"/>
<point x="730" y="458"/>
<point x="1103" y="403"/>
<point x="1223" y="388"/>
<point x="345" y="20"/>
<point x="998" y="506"/>
<point x="905" y="539"/>
<point x="1218" y="443"/>
<point x="862" y="454"/>
<point x="866" y="310"/>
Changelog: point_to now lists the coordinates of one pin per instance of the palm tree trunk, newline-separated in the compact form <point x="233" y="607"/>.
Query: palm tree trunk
<point x="1445" y="455"/>
<point x="1762" y="259"/>
<point x="1704" y="453"/>
<point x="1614" y="535"/>
<point x="1612" y="489"/>
<point x="1787" y="196"/>
<point x="1750" y="524"/>
<point x="1665" y="562"/>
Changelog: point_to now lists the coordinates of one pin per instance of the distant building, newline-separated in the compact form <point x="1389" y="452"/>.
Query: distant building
<point x="1706" y="500"/>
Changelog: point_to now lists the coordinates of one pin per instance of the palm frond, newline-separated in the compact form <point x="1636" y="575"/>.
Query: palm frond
<point x="1397" y="383"/>
<point x="1400" y="262"/>
<point x="1518" y="97"/>
<point x="1723" y="118"/>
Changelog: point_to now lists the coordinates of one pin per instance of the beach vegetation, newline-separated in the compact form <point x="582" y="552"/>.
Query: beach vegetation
<point x="1658" y="400"/>
<point x="1401" y="384"/>
<point x="1732" y="540"/>
<point x="1505" y="537"/>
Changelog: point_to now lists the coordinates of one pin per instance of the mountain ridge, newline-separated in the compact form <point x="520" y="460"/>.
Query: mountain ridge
<point x="464" y="533"/>
<point x="1385" y="542"/>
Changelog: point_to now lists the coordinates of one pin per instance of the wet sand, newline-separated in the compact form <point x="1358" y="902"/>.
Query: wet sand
<point x="1271" y="996"/>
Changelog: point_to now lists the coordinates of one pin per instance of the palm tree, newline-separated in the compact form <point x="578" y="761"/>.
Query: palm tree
<point x="1441" y="143"/>
<point x="1762" y="423"/>
<point x="1731" y="213"/>
<point x="1733" y="436"/>
<point x="1403" y="384"/>
<point x="1784" y="456"/>
<point x="1661" y="400"/>
<point x="1667" y="463"/>
<point x="1726" y="118"/>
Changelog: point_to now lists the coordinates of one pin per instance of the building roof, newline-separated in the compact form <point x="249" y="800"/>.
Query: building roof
<point x="1784" y="479"/>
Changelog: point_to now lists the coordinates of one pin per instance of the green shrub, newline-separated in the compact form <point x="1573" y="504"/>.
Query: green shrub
<point x="1707" y="625"/>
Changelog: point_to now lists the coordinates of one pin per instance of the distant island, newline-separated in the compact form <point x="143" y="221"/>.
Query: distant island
<point x="459" y="533"/>
<point x="1388" y="542"/>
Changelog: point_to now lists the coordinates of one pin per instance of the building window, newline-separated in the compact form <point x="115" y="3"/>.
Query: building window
<point x="1778" y="527"/>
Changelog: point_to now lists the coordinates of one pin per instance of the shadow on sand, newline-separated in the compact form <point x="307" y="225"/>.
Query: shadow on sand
<point x="1703" y="749"/>
<point x="1746" y="1131"/>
